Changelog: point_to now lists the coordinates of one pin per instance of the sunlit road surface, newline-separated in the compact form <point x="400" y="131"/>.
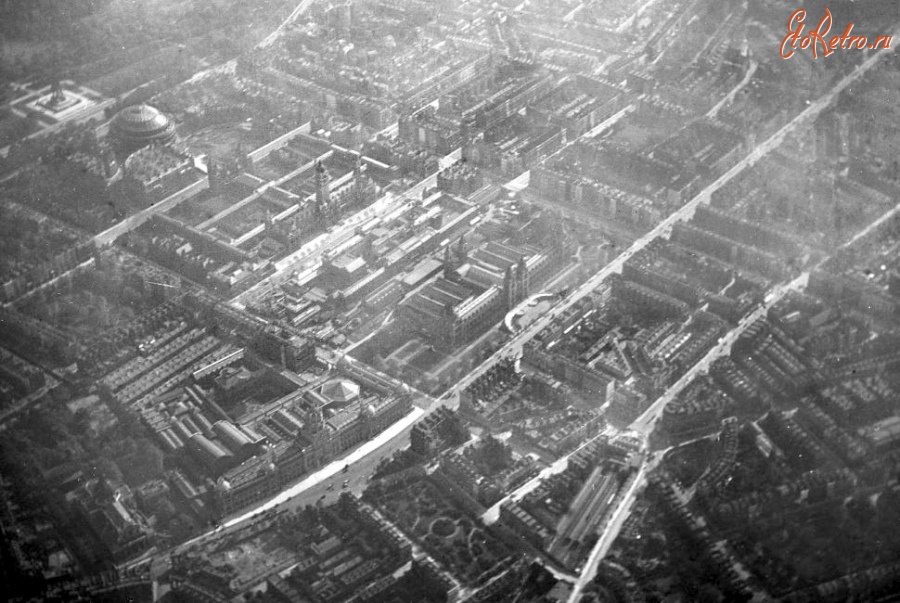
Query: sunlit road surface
<point x="617" y="520"/>
<point x="513" y="347"/>
<point x="327" y="472"/>
<point x="298" y="10"/>
<point x="333" y="468"/>
<point x="559" y="465"/>
<point x="646" y="421"/>
<point x="607" y="123"/>
<point x="873" y="226"/>
<point x="730" y="96"/>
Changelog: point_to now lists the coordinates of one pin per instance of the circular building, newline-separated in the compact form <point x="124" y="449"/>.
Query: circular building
<point x="138" y="126"/>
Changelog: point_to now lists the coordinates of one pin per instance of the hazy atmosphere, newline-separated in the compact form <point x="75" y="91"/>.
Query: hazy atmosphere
<point x="432" y="301"/>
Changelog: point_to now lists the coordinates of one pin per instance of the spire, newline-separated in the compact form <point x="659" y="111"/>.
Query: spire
<point x="461" y="251"/>
<point x="323" y="191"/>
<point x="359" y="180"/>
<point x="322" y="176"/>
<point x="315" y="422"/>
<point x="449" y="266"/>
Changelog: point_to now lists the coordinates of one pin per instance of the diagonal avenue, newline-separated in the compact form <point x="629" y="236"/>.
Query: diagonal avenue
<point x="646" y="422"/>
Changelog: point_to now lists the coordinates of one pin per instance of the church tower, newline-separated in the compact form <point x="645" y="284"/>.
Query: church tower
<point x="323" y="193"/>
<point x="462" y="253"/>
<point x="448" y="263"/>
<point x="315" y="421"/>
<point x="522" y="278"/>
<point x="509" y="287"/>
<point x="360" y="180"/>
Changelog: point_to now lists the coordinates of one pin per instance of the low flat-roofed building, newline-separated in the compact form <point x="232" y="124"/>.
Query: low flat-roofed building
<point x="421" y="272"/>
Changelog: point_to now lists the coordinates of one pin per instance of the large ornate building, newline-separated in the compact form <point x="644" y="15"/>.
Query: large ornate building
<point x="139" y="126"/>
<point x="477" y="288"/>
<point x="313" y="430"/>
<point x="334" y="196"/>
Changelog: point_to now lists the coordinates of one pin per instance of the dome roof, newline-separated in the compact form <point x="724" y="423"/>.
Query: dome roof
<point x="140" y="118"/>
<point x="138" y="125"/>
<point x="340" y="390"/>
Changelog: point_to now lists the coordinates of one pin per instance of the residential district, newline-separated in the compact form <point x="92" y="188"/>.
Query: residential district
<point x="406" y="300"/>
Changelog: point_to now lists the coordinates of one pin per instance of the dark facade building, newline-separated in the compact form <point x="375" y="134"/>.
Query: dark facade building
<point x="436" y="431"/>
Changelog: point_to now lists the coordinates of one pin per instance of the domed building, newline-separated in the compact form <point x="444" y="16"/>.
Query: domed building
<point x="138" y="126"/>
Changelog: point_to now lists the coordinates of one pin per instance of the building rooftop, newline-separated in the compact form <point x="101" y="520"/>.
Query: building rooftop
<point x="340" y="390"/>
<point x="139" y="125"/>
<point x="140" y="119"/>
